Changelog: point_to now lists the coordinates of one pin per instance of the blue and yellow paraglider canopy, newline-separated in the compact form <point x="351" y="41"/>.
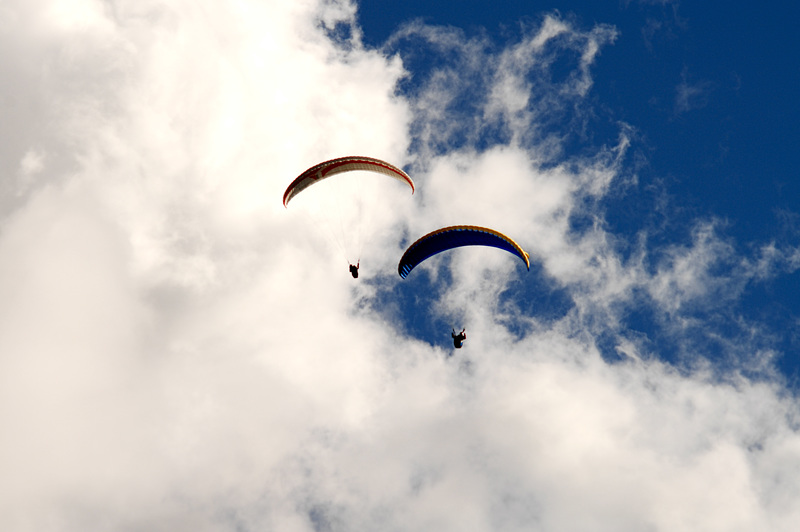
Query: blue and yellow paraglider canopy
<point x="453" y="237"/>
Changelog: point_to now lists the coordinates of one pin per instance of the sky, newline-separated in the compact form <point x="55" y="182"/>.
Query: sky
<point x="178" y="351"/>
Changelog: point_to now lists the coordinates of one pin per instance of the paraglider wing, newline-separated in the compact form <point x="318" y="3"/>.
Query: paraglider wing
<point x="453" y="237"/>
<point x="343" y="164"/>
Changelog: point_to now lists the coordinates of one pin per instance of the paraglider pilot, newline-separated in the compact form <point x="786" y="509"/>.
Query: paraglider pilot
<point x="458" y="338"/>
<point x="354" y="269"/>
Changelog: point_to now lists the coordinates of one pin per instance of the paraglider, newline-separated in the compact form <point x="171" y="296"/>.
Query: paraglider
<point x="349" y="236"/>
<point x="453" y="237"/>
<point x="317" y="173"/>
<point x="459" y="338"/>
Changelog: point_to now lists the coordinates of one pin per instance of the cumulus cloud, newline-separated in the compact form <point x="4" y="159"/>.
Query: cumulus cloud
<point x="180" y="352"/>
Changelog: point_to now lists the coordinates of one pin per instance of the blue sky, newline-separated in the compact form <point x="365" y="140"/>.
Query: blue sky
<point x="710" y="92"/>
<point x="710" y="96"/>
<point x="180" y="352"/>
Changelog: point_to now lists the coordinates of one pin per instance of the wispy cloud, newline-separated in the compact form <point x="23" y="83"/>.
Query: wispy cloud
<point x="691" y="95"/>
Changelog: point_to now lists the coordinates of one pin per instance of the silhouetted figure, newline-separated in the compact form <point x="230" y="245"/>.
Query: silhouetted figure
<point x="354" y="270"/>
<point x="459" y="338"/>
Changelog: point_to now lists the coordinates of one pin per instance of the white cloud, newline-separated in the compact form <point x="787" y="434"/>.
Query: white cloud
<point x="32" y="163"/>
<point x="180" y="352"/>
<point x="690" y="96"/>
